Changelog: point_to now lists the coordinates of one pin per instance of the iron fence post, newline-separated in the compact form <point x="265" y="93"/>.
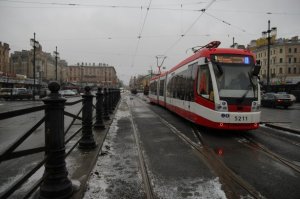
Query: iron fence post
<point x="114" y="99"/>
<point x="56" y="183"/>
<point x="110" y="110"/>
<point x="99" y="110"/>
<point x="87" y="140"/>
<point x="106" y="103"/>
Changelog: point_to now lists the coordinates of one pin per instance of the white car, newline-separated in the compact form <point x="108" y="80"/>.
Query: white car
<point x="67" y="93"/>
<point x="292" y="97"/>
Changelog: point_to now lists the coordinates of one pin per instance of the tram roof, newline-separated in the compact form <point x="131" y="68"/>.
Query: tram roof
<point x="206" y="52"/>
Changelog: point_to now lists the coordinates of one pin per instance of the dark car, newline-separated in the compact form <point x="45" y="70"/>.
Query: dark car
<point x="15" y="93"/>
<point x="275" y="99"/>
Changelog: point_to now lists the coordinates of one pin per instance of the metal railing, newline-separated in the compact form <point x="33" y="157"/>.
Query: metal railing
<point x="55" y="182"/>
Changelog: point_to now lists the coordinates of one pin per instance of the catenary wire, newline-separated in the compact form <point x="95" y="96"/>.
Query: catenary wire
<point x="140" y="34"/>
<point x="189" y="28"/>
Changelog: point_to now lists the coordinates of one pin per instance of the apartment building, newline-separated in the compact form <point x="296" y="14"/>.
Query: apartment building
<point x="4" y="58"/>
<point x="45" y="65"/>
<point x="284" y="60"/>
<point x="92" y="74"/>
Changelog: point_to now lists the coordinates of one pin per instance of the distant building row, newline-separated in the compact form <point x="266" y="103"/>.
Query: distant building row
<point x="20" y="63"/>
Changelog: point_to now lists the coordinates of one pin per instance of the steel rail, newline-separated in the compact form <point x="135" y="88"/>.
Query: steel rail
<point x="223" y="171"/>
<point x="145" y="176"/>
<point x="279" y="137"/>
<point x="273" y="155"/>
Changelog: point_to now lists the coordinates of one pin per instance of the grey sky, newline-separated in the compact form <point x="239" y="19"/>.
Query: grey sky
<point x="107" y="31"/>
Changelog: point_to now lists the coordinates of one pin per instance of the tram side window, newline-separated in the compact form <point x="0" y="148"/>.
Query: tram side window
<point x="181" y="86"/>
<point x="204" y="84"/>
<point x="161" y="87"/>
<point x="189" y="87"/>
<point x="153" y="88"/>
<point x="176" y="87"/>
<point x="169" y="88"/>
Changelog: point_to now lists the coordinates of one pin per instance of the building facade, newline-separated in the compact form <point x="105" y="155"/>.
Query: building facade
<point x="21" y="62"/>
<point x="92" y="75"/>
<point x="4" y="58"/>
<point x="284" y="60"/>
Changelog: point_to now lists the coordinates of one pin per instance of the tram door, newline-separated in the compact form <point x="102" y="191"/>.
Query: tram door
<point x="205" y="88"/>
<point x="189" y="76"/>
<point x="164" y="90"/>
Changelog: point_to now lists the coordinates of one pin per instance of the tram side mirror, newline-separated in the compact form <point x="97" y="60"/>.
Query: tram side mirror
<point x="256" y="69"/>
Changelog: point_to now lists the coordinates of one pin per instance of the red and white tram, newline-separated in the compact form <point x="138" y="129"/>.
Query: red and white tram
<point x="216" y="87"/>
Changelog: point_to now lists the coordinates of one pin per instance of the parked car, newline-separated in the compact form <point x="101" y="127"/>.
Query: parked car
<point x="275" y="99"/>
<point x="15" y="93"/>
<point x="293" y="98"/>
<point x="67" y="93"/>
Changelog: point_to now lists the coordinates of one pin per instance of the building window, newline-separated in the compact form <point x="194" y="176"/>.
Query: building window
<point x="290" y="60"/>
<point x="280" y="70"/>
<point x="295" y="50"/>
<point x="280" y="60"/>
<point x="289" y="70"/>
<point x="295" y="70"/>
<point x="280" y="50"/>
<point x="290" y="50"/>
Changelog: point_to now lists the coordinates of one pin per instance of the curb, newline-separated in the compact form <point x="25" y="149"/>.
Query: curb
<point x="295" y="131"/>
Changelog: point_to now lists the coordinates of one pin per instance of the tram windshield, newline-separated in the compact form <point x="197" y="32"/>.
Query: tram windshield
<point x="233" y="76"/>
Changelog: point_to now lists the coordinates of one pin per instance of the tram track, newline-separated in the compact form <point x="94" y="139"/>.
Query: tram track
<point x="226" y="175"/>
<point x="231" y="180"/>
<point x="293" y="142"/>
<point x="255" y="144"/>
<point x="145" y="176"/>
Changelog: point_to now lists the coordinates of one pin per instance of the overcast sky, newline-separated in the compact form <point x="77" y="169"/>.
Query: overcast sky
<point x="128" y="36"/>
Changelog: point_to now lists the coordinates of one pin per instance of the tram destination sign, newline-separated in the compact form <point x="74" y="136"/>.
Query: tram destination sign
<point x="231" y="59"/>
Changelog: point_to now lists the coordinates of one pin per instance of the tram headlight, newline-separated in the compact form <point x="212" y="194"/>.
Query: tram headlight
<point x="222" y="106"/>
<point x="255" y="106"/>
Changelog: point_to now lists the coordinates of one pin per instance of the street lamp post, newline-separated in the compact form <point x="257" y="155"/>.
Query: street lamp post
<point x="105" y="84"/>
<point x="35" y="44"/>
<point x="268" y="35"/>
<point x="56" y="57"/>
<point x="81" y="75"/>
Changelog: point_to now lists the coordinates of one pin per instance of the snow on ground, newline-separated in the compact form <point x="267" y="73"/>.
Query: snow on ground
<point x="188" y="189"/>
<point x="116" y="173"/>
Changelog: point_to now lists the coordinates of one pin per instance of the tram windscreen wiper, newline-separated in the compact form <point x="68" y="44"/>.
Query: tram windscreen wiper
<point x="219" y="68"/>
<point x="247" y="91"/>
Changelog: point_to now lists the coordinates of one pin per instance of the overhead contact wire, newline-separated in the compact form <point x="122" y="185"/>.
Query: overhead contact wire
<point x="140" y="34"/>
<point x="190" y="27"/>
